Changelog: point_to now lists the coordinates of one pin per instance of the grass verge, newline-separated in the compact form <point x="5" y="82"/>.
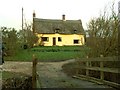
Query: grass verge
<point x="49" y="54"/>
<point x="7" y="74"/>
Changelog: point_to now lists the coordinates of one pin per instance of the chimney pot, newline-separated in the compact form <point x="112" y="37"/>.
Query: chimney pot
<point x="63" y="17"/>
<point x="34" y="15"/>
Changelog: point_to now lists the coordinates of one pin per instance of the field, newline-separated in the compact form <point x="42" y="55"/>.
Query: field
<point x="55" y="53"/>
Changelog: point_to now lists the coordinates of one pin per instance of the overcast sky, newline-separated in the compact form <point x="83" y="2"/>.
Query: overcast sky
<point x="10" y="10"/>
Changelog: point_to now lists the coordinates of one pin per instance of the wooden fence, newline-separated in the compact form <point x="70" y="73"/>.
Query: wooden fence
<point x="35" y="75"/>
<point x="88" y="67"/>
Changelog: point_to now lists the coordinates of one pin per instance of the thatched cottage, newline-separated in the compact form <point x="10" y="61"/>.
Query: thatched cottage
<point x="52" y="32"/>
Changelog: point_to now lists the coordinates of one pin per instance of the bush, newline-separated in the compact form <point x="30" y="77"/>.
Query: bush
<point x="20" y="83"/>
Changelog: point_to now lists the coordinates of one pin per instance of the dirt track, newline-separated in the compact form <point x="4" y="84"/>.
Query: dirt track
<point x="24" y="67"/>
<point x="50" y="75"/>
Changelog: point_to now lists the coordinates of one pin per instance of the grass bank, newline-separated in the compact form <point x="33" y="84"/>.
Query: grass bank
<point x="7" y="74"/>
<point x="50" y="54"/>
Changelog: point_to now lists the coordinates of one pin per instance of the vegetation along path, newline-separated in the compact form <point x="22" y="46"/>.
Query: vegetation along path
<point x="52" y="76"/>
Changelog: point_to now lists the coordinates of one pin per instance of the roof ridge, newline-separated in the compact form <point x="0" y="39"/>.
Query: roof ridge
<point x="57" y="19"/>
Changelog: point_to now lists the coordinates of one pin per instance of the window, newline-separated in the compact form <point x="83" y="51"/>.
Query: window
<point x="57" y="30"/>
<point x="75" y="31"/>
<point x="45" y="39"/>
<point x="59" y="39"/>
<point x="76" y="41"/>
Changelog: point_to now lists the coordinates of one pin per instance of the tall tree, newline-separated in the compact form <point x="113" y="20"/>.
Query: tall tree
<point x="27" y="37"/>
<point x="10" y="40"/>
<point x="103" y="35"/>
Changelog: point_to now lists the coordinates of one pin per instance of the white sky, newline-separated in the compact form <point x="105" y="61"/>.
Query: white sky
<point x="10" y="10"/>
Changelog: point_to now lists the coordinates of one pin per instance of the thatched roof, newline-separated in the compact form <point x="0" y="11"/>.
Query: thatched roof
<point x="63" y="27"/>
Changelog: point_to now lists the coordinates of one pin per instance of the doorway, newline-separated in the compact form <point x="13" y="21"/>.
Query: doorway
<point x="54" y="41"/>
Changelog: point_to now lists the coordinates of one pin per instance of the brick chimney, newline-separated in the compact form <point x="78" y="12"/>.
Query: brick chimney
<point x="34" y="15"/>
<point x="63" y="17"/>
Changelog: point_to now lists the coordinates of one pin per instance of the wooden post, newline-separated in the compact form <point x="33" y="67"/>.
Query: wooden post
<point x="90" y="64"/>
<point x="87" y="71"/>
<point x="34" y="75"/>
<point x="101" y="72"/>
<point x="101" y="66"/>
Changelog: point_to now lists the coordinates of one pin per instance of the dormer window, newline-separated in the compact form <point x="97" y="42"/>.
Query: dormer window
<point x="75" y="31"/>
<point x="57" y="30"/>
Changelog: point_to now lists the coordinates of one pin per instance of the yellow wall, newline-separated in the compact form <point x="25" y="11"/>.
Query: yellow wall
<point x="67" y="39"/>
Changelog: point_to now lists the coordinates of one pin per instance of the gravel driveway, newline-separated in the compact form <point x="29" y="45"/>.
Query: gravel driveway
<point x="24" y="67"/>
<point x="50" y="74"/>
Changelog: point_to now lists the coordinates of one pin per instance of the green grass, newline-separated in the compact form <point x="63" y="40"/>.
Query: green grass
<point x="58" y="48"/>
<point x="6" y="74"/>
<point x="49" y="53"/>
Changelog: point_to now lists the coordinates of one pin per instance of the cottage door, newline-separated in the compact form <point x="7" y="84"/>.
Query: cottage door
<point x="54" y="41"/>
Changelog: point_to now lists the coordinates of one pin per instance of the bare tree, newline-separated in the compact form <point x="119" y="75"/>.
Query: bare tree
<point x="103" y="35"/>
<point x="27" y="37"/>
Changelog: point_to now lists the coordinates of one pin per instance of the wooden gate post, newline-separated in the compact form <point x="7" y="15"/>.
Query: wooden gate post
<point x="101" y="66"/>
<point x="87" y="71"/>
<point x="34" y="75"/>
